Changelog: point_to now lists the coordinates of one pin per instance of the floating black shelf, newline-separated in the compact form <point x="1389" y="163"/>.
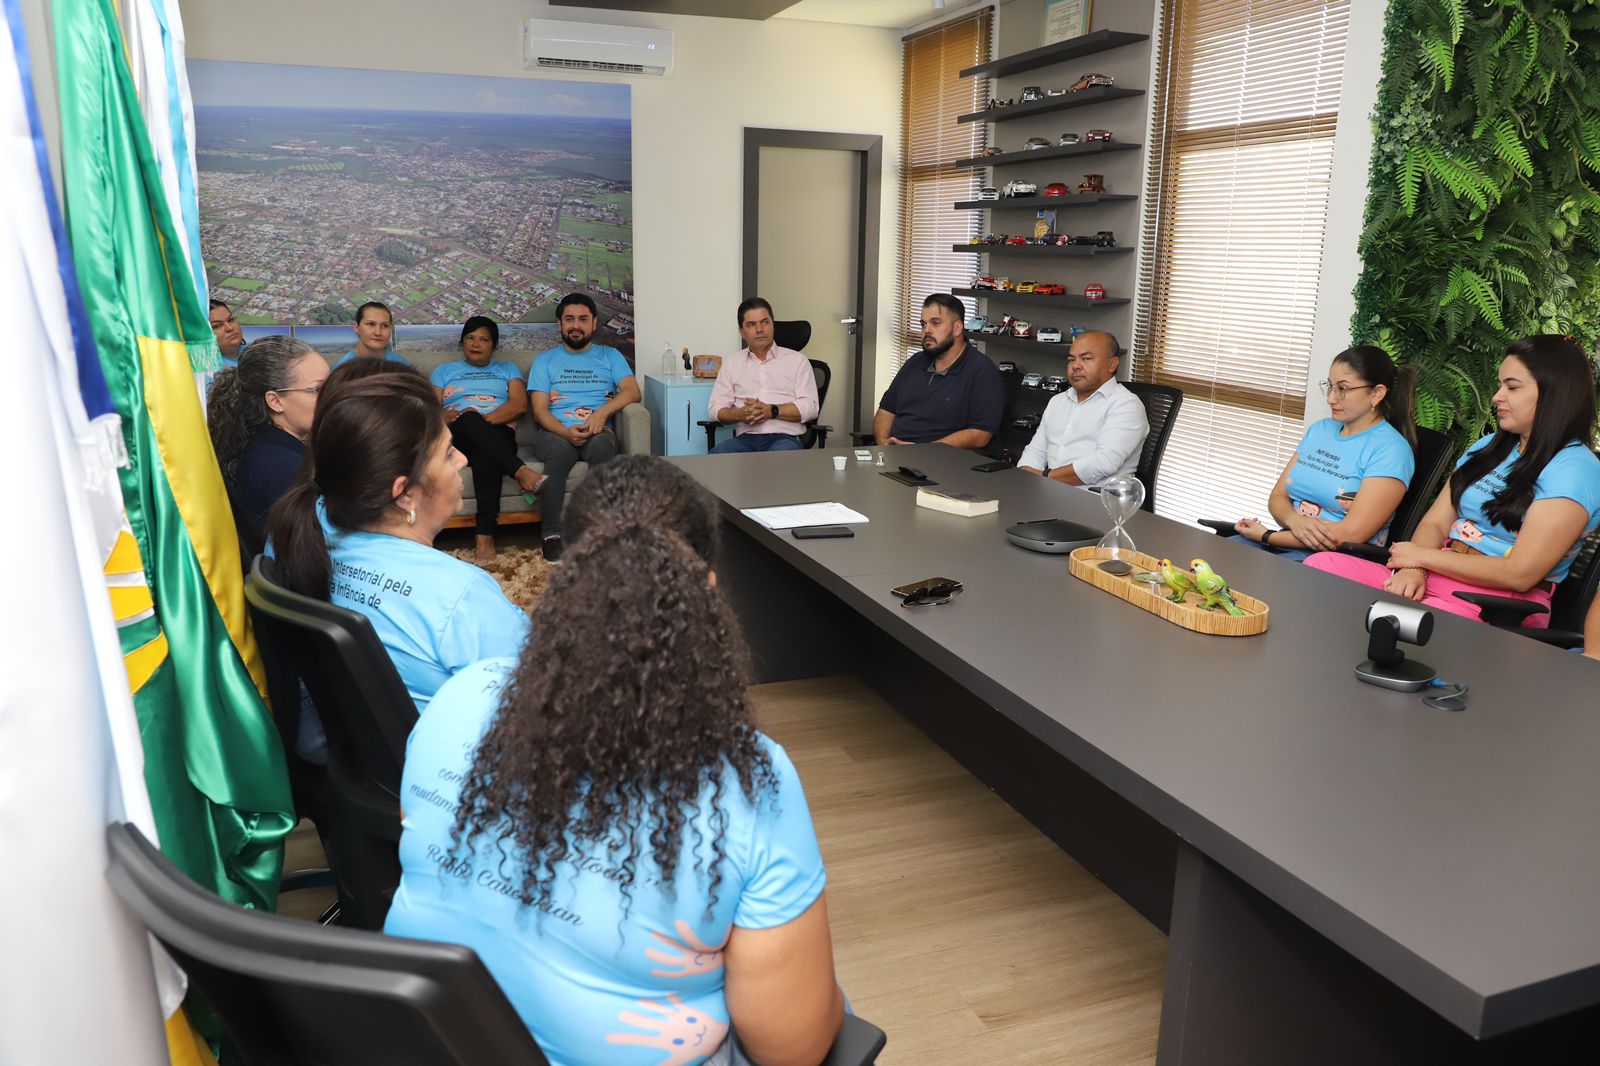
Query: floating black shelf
<point x="1074" y="200"/>
<point x="1028" y="344"/>
<point x="1058" y="152"/>
<point x="1097" y="95"/>
<point x="1066" y="300"/>
<point x="1087" y="45"/>
<point x="1066" y="251"/>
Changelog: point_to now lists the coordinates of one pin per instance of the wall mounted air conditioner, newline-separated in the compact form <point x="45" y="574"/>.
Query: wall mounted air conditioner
<point x="557" y="46"/>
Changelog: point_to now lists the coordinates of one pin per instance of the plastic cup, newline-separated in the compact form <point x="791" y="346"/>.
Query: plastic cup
<point x="838" y="463"/>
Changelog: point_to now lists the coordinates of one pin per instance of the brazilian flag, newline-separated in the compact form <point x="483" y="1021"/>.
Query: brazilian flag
<point x="214" y="763"/>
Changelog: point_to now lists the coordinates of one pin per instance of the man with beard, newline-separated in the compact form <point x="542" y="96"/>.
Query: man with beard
<point x="574" y="391"/>
<point x="948" y="393"/>
<point x="1094" y="429"/>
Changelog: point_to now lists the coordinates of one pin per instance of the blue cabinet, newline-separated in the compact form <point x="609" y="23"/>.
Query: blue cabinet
<point x="675" y="405"/>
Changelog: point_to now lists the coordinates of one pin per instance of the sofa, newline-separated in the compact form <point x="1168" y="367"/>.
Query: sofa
<point x="632" y="428"/>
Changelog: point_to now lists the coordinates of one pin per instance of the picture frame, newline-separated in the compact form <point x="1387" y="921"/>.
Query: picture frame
<point x="1065" y="19"/>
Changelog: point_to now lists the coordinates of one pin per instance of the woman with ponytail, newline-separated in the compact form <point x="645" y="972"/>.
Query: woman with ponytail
<point x="1351" y="469"/>
<point x="379" y="482"/>
<point x="1532" y="485"/>
<point x="602" y="822"/>
<point x="259" y="413"/>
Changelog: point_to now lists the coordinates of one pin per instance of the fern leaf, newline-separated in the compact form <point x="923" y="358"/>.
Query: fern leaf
<point x="1410" y="176"/>
<point x="1440" y="60"/>
<point x="1475" y="288"/>
<point x="1509" y="146"/>
<point x="1456" y="11"/>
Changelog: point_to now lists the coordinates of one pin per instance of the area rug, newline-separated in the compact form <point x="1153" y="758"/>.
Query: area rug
<point x="522" y="573"/>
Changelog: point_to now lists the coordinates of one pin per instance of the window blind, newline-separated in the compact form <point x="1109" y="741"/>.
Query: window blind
<point x="932" y="96"/>
<point x="1241" y="151"/>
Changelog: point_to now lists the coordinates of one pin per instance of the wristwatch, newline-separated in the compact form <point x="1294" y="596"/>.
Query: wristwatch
<point x="774" y="409"/>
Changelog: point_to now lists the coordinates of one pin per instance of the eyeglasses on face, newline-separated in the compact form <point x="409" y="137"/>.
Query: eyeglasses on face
<point x="1341" y="390"/>
<point x="312" y="389"/>
<point x="932" y="595"/>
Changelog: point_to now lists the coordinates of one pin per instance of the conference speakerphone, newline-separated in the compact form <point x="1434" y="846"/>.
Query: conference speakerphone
<point x="1055" y="536"/>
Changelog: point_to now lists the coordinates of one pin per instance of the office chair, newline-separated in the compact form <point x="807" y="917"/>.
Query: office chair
<point x="1569" y="604"/>
<point x="1161" y="404"/>
<point x="291" y="992"/>
<point x="795" y="335"/>
<point x="367" y="714"/>
<point x="1433" y="453"/>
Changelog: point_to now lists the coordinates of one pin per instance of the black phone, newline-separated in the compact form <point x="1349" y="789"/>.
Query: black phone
<point x="821" y="532"/>
<point x="990" y="468"/>
<point x="926" y="583"/>
<point x="913" y="473"/>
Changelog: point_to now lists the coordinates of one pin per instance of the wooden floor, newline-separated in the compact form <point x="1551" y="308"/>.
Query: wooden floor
<point x="958" y="928"/>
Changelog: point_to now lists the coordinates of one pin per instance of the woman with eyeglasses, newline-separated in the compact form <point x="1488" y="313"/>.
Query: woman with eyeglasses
<point x="356" y="528"/>
<point x="1533" y="485"/>
<point x="1351" y="469"/>
<point x="259" y="413"/>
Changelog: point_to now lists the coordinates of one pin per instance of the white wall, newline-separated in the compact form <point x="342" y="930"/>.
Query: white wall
<point x="687" y="128"/>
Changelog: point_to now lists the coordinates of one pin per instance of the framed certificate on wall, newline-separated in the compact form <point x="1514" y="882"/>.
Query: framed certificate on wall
<point x="1065" y="19"/>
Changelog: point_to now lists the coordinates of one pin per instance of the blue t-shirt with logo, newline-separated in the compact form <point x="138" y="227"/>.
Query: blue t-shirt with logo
<point x="1329" y="468"/>
<point x="1573" y="473"/>
<point x="475" y="388"/>
<point x="390" y="356"/>
<point x="578" y="382"/>
<point x="592" y="985"/>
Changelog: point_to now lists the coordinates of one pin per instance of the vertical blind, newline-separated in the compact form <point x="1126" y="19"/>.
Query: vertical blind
<point x="932" y="95"/>
<point x="1241" y="149"/>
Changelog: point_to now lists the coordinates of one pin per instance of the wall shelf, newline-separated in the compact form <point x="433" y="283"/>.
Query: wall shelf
<point x="1087" y="45"/>
<point x="1033" y="202"/>
<point x="1066" y="300"/>
<point x="1065" y="151"/>
<point x="1066" y="251"/>
<point x="1097" y="95"/>
<point x="1028" y="344"/>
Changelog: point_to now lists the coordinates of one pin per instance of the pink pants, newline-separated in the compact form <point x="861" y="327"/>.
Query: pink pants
<point x="1441" y="589"/>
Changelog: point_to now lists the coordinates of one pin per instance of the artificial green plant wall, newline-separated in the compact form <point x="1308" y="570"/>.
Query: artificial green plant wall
<point x="1483" y="220"/>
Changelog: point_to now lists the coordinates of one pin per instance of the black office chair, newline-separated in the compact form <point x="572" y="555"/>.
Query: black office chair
<point x="1433" y="453"/>
<point x="794" y="335"/>
<point x="1161" y="404"/>
<point x="1569" y="604"/>
<point x="292" y="992"/>
<point x="367" y="714"/>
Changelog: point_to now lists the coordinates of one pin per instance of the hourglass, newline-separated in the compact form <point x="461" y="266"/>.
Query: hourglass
<point x="1122" y="496"/>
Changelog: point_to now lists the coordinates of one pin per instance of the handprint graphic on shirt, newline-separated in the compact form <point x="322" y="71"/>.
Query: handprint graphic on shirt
<point x="684" y="1033"/>
<point x="689" y="955"/>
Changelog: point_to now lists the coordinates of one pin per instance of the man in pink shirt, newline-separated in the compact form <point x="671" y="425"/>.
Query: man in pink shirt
<point x="765" y="392"/>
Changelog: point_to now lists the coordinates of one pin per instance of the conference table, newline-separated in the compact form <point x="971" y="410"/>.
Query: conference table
<point x="1346" y="875"/>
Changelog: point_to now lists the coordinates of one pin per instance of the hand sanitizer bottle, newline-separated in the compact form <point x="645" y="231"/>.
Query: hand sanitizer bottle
<point x="669" y="362"/>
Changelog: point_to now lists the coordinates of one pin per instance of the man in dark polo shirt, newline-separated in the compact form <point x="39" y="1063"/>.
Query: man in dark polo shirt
<point x="948" y="393"/>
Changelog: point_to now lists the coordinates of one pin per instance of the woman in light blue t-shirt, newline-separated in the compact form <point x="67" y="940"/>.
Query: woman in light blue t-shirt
<point x="382" y="470"/>
<point x="600" y="820"/>
<point x="1351" y="470"/>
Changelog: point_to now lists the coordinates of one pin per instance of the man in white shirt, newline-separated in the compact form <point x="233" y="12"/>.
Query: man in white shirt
<point x="765" y="392"/>
<point x="1094" y="429"/>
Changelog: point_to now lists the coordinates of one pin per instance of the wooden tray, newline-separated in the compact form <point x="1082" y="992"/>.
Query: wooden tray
<point x="1084" y="564"/>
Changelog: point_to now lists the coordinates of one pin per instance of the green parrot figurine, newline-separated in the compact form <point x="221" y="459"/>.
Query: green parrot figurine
<point x="1177" y="581"/>
<point x="1212" y="586"/>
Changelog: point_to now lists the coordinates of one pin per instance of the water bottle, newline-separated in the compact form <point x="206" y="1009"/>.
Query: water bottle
<point x="669" y="362"/>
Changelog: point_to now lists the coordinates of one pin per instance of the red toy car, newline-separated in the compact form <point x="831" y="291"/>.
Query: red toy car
<point x="1049" y="288"/>
<point x="1094" y="291"/>
<point x="1090" y="81"/>
<point x="1016" y="238"/>
<point x="1097" y="135"/>
<point x="983" y="283"/>
<point x="1056" y="188"/>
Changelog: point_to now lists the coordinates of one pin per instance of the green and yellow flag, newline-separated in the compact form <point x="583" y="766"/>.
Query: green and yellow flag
<point x="214" y="763"/>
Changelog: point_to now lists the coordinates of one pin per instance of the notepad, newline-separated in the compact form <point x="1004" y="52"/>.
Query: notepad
<point x="804" y="514"/>
<point x="960" y="503"/>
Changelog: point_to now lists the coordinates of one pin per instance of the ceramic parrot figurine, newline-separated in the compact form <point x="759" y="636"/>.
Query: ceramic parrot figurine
<point x="1177" y="581"/>
<point x="1211" y="585"/>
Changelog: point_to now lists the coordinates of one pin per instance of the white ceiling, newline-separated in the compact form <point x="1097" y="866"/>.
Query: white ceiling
<point x="889" y="14"/>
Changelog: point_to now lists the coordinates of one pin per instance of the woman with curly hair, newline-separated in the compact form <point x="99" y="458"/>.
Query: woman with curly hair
<point x="1533" y="486"/>
<point x="259" y="414"/>
<point x="601" y="821"/>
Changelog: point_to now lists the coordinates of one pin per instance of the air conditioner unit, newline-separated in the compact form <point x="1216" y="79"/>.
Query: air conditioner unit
<point x="557" y="46"/>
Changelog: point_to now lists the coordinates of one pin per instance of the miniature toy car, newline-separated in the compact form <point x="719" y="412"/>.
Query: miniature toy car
<point x="1019" y="328"/>
<point x="1070" y="138"/>
<point x="990" y="151"/>
<point x="1025" y="422"/>
<point x="991" y="328"/>
<point x="974" y="239"/>
<point x="988" y="192"/>
<point x="1016" y="238"/>
<point x="1097" y="135"/>
<point x="1020" y="188"/>
<point x="977" y="325"/>
<point x="1079" y="240"/>
<point x="1047" y="239"/>
<point x="1055" y="92"/>
<point x="1054" y="383"/>
<point x="1005" y="285"/>
<point x="983" y="283"/>
<point x="1063" y="239"/>
<point x="1094" y="291"/>
<point x="1024" y="286"/>
<point x="1092" y="183"/>
<point x="1006" y="368"/>
<point x="1048" y="335"/>
<point x="1030" y="381"/>
<point x="1090" y="81"/>
<point x="1031" y="93"/>
<point x="1105" y="238"/>
<point x="1049" y="288"/>
<point x="995" y="105"/>
<point x="1003" y="327"/>
<point x="1033" y="144"/>
<point x="995" y="238"/>
<point x="1056" y="188"/>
